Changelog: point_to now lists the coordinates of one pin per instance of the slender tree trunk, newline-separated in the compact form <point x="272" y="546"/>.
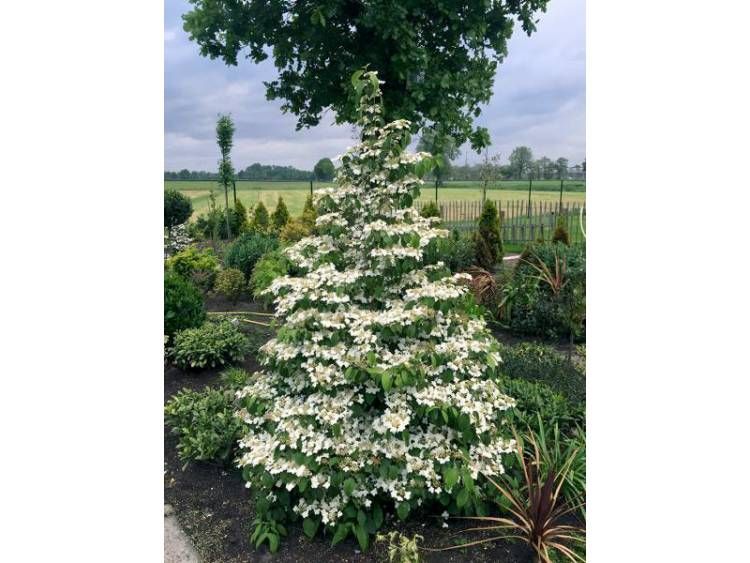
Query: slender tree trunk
<point x="528" y="207"/>
<point x="436" y="187"/>
<point x="226" y="214"/>
<point x="234" y="191"/>
<point x="311" y="188"/>
<point x="561" y="192"/>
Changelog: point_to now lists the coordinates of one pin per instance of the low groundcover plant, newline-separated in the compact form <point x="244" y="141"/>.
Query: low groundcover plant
<point x="211" y="345"/>
<point x="378" y="392"/>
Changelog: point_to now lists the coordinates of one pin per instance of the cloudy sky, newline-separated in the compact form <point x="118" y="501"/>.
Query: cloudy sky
<point x="539" y="100"/>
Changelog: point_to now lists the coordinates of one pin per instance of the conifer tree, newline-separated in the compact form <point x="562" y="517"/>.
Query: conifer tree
<point x="379" y="392"/>
<point x="308" y="213"/>
<point x="260" y="218"/>
<point x="489" y="246"/>
<point x="280" y="215"/>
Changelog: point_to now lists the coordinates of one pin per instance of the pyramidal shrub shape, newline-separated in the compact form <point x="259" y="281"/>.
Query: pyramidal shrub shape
<point x="378" y="392"/>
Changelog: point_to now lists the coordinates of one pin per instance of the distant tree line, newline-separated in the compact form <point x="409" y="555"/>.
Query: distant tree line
<point x="540" y="169"/>
<point x="323" y="172"/>
<point x="255" y="171"/>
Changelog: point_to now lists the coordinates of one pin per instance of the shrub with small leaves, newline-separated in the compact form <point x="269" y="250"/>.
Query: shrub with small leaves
<point x="536" y="362"/>
<point x="430" y="210"/>
<point x="210" y="345"/>
<point x="205" y="424"/>
<point x="177" y="208"/>
<point x="271" y="266"/>
<point x="231" y="284"/>
<point x="247" y="250"/>
<point x="280" y="215"/>
<point x="457" y="252"/>
<point x="183" y="304"/>
<point x="260" y="222"/>
<point x="198" y="266"/>
<point x="294" y="231"/>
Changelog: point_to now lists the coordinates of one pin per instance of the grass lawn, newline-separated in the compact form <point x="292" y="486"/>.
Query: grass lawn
<point x="294" y="193"/>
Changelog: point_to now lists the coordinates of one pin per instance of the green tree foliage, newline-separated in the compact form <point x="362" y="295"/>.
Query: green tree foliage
<point x="280" y="215"/>
<point x="224" y="138"/>
<point x="438" y="59"/>
<point x="436" y="143"/>
<point x="214" y="223"/>
<point x="260" y="220"/>
<point x="177" y="208"/>
<point x="521" y="160"/>
<point x="489" y="245"/>
<point x="324" y="170"/>
<point x="561" y="167"/>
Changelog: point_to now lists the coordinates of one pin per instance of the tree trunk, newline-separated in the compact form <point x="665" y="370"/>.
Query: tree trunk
<point x="234" y="191"/>
<point x="528" y="208"/>
<point x="226" y="202"/>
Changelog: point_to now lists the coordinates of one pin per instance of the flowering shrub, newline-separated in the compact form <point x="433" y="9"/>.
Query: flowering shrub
<point x="378" y="392"/>
<point x="175" y="239"/>
<point x="211" y="345"/>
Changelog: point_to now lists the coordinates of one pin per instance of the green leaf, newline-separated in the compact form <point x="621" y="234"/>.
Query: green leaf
<point x="362" y="536"/>
<point x="342" y="530"/>
<point x="273" y="542"/>
<point x="402" y="510"/>
<point x="377" y="515"/>
<point x="387" y="380"/>
<point x="349" y="485"/>
<point x="450" y="476"/>
<point x="310" y="527"/>
<point x="462" y="498"/>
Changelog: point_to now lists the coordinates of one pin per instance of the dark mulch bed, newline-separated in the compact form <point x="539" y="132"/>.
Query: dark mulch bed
<point x="215" y="509"/>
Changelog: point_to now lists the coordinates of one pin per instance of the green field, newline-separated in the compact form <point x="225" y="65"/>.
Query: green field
<point x="294" y="193"/>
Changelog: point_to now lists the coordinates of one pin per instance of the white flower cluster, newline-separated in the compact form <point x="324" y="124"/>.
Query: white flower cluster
<point x="378" y="377"/>
<point x="176" y="239"/>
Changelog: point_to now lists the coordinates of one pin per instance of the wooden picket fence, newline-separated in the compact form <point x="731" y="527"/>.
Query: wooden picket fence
<point x="520" y="222"/>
